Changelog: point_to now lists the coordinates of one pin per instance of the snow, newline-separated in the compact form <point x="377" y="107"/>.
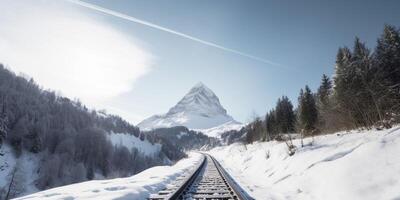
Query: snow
<point x="219" y="130"/>
<point x="136" y="187"/>
<point x="7" y="163"/>
<point x="200" y="108"/>
<point x="347" y="165"/>
<point x="27" y="163"/>
<point x="190" y="120"/>
<point x="181" y="134"/>
<point x="130" y="141"/>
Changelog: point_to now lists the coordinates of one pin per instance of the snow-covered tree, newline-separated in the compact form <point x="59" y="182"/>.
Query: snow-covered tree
<point x="69" y="138"/>
<point x="324" y="91"/>
<point x="18" y="132"/>
<point x="387" y="60"/>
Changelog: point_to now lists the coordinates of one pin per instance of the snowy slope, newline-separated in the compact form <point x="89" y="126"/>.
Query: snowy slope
<point x="28" y="162"/>
<point x="136" y="187"/>
<point x="357" y="165"/>
<point x="130" y="141"/>
<point x="199" y="109"/>
<point x="26" y="175"/>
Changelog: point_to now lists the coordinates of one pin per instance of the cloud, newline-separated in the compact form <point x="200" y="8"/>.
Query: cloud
<point x="66" y="49"/>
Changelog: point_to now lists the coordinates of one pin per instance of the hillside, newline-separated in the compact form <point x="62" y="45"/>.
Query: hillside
<point x="61" y="142"/>
<point x="184" y="139"/>
<point x="346" y="165"/>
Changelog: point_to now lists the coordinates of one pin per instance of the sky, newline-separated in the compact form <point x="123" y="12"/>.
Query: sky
<point x="248" y="52"/>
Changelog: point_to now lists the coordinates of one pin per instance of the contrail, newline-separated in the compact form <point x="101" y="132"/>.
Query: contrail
<point x="139" y="21"/>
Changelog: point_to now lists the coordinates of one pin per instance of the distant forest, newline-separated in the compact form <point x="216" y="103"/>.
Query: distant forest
<point x="70" y="139"/>
<point x="363" y="93"/>
<point x="184" y="139"/>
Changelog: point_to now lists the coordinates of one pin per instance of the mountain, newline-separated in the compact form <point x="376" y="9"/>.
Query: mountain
<point x="198" y="109"/>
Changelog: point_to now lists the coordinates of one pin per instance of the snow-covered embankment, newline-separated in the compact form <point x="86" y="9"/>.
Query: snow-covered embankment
<point x="355" y="165"/>
<point x="134" y="187"/>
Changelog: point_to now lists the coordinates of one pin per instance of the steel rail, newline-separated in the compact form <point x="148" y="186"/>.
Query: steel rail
<point x="187" y="182"/>
<point x="239" y="192"/>
<point x="208" y="181"/>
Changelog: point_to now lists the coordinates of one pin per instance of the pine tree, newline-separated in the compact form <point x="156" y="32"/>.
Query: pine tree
<point x="249" y="134"/>
<point x="324" y="91"/>
<point x="366" y="108"/>
<point x="341" y="89"/>
<point x="387" y="63"/>
<point x="257" y="128"/>
<point x="354" y="88"/>
<point x="325" y="104"/>
<point x="341" y="92"/>
<point x="387" y="54"/>
<point x="18" y="132"/>
<point x="270" y="125"/>
<point x="284" y="115"/>
<point x="308" y="114"/>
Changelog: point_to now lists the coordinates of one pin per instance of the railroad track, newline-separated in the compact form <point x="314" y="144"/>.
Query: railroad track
<point x="209" y="181"/>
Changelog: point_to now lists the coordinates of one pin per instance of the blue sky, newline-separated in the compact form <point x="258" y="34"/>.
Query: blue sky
<point x="302" y="36"/>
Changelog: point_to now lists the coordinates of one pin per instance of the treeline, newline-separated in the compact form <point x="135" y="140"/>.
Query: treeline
<point x="70" y="140"/>
<point x="183" y="138"/>
<point x="364" y="93"/>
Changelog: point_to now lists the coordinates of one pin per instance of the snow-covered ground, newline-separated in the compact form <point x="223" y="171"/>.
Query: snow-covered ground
<point x="347" y="165"/>
<point x="355" y="165"/>
<point x="26" y="165"/>
<point x="130" y="141"/>
<point x="137" y="187"/>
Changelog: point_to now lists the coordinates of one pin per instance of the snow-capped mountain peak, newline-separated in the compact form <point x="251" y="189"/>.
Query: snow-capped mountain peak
<point x="200" y="108"/>
<point x="199" y="100"/>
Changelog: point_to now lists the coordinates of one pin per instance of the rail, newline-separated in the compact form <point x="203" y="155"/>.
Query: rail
<point x="208" y="181"/>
